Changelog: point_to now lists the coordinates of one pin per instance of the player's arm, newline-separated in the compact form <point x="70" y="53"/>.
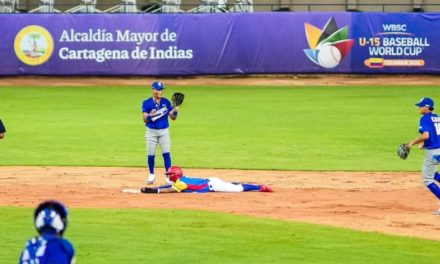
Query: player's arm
<point x="422" y="138"/>
<point x="158" y="190"/>
<point x="147" y="116"/>
<point x="168" y="190"/>
<point x="173" y="111"/>
<point x="178" y="186"/>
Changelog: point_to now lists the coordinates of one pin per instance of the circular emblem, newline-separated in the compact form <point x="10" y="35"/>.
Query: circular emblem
<point x="33" y="45"/>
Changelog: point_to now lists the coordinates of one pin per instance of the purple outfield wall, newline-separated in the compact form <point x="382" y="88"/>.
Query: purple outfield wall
<point x="228" y="43"/>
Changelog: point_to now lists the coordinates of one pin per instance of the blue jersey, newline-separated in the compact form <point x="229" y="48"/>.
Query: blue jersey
<point x="430" y="122"/>
<point x="160" y="120"/>
<point x="47" y="249"/>
<point x="188" y="184"/>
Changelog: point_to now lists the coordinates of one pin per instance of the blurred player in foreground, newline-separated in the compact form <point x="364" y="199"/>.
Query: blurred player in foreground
<point x="2" y="130"/>
<point x="49" y="247"/>
<point x="429" y="139"/>
<point x="181" y="183"/>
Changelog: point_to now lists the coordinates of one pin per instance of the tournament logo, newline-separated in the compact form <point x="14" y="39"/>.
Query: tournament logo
<point x="327" y="46"/>
<point x="33" y="45"/>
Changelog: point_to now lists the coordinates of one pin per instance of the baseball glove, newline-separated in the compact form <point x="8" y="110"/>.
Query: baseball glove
<point x="403" y="151"/>
<point x="177" y="99"/>
<point x="149" y="190"/>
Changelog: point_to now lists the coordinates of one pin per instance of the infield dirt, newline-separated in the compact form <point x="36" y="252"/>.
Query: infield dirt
<point x="393" y="203"/>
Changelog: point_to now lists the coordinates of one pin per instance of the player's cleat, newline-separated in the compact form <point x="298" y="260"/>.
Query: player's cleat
<point x="151" y="179"/>
<point x="437" y="212"/>
<point x="265" y="188"/>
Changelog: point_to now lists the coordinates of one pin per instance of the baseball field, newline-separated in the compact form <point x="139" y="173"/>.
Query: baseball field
<point x="326" y="144"/>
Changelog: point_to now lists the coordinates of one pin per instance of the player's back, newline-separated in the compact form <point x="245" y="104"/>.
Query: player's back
<point x="47" y="249"/>
<point x="430" y="122"/>
<point x="195" y="184"/>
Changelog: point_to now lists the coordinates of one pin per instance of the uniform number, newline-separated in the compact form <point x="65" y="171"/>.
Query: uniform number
<point x="437" y="128"/>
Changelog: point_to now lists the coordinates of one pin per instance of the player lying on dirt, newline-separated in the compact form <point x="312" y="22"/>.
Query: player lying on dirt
<point x="181" y="183"/>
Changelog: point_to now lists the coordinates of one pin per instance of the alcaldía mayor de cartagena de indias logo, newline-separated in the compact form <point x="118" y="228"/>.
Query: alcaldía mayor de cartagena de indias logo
<point x="33" y="45"/>
<point x="327" y="46"/>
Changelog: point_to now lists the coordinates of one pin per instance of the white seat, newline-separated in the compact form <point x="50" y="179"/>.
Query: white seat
<point x="8" y="6"/>
<point x="46" y="6"/>
<point x="167" y="6"/>
<point x="242" y="6"/>
<point x="127" y="6"/>
<point x="87" y="6"/>
<point x="210" y="6"/>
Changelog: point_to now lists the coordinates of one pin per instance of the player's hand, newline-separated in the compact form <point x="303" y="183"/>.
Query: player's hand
<point x="421" y="146"/>
<point x="176" y="108"/>
<point x="153" y="112"/>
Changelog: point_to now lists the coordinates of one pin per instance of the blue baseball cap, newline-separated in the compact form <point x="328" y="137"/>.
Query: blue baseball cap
<point x="426" y="101"/>
<point x="158" y="86"/>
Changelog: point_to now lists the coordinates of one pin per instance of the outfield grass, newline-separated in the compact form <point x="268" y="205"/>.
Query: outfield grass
<point x="281" y="128"/>
<point x="168" y="236"/>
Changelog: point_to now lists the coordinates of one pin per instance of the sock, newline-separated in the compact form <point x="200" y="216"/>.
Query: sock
<point x="250" y="187"/>
<point x="151" y="163"/>
<point x="166" y="160"/>
<point x="437" y="177"/>
<point x="434" y="189"/>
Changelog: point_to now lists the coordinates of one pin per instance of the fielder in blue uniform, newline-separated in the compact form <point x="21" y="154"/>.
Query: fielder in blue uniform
<point x="156" y="111"/>
<point x="49" y="247"/>
<point x="429" y="139"/>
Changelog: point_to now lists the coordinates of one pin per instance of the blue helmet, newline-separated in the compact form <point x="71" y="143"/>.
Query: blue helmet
<point x="158" y="86"/>
<point x="51" y="216"/>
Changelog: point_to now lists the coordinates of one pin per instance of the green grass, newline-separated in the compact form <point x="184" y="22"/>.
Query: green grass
<point x="168" y="236"/>
<point x="281" y="128"/>
<point x="289" y="128"/>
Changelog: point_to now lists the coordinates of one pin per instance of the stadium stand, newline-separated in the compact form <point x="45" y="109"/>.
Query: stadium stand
<point x="180" y="6"/>
<point x="46" y="6"/>
<point x="86" y="6"/>
<point x="127" y="6"/>
<point x="8" y="6"/>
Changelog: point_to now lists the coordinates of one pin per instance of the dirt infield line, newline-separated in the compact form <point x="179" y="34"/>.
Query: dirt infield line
<point x="392" y="203"/>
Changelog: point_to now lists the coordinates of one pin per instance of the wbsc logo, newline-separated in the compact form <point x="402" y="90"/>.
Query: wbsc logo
<point x="33" y="45"/>
<point x="327" y="46"/>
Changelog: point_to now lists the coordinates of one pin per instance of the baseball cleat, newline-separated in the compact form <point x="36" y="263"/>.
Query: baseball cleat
<point x="437" y="212"/>
<point x="151" y="179"/>
<point x="265" y="188"/>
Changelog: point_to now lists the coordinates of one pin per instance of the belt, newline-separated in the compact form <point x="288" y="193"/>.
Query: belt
<point x="209" y="185"/>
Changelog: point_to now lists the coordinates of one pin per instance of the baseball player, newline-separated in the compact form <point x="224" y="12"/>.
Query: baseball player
<point x="2" y="130"/>
<point x="156" y="111"/>
<point x="180" y="183"/>
<point x="50" y="219"/>
<point x="429" y="139"/>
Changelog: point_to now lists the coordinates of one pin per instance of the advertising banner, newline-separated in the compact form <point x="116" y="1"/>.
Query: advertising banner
<point x="396" y="43"/>
<point x="226" y="43"/>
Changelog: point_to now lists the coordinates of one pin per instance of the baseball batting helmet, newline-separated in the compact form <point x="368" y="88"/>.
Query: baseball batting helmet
<point x="51" y="216"/>
<point x="174" y="173"/>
